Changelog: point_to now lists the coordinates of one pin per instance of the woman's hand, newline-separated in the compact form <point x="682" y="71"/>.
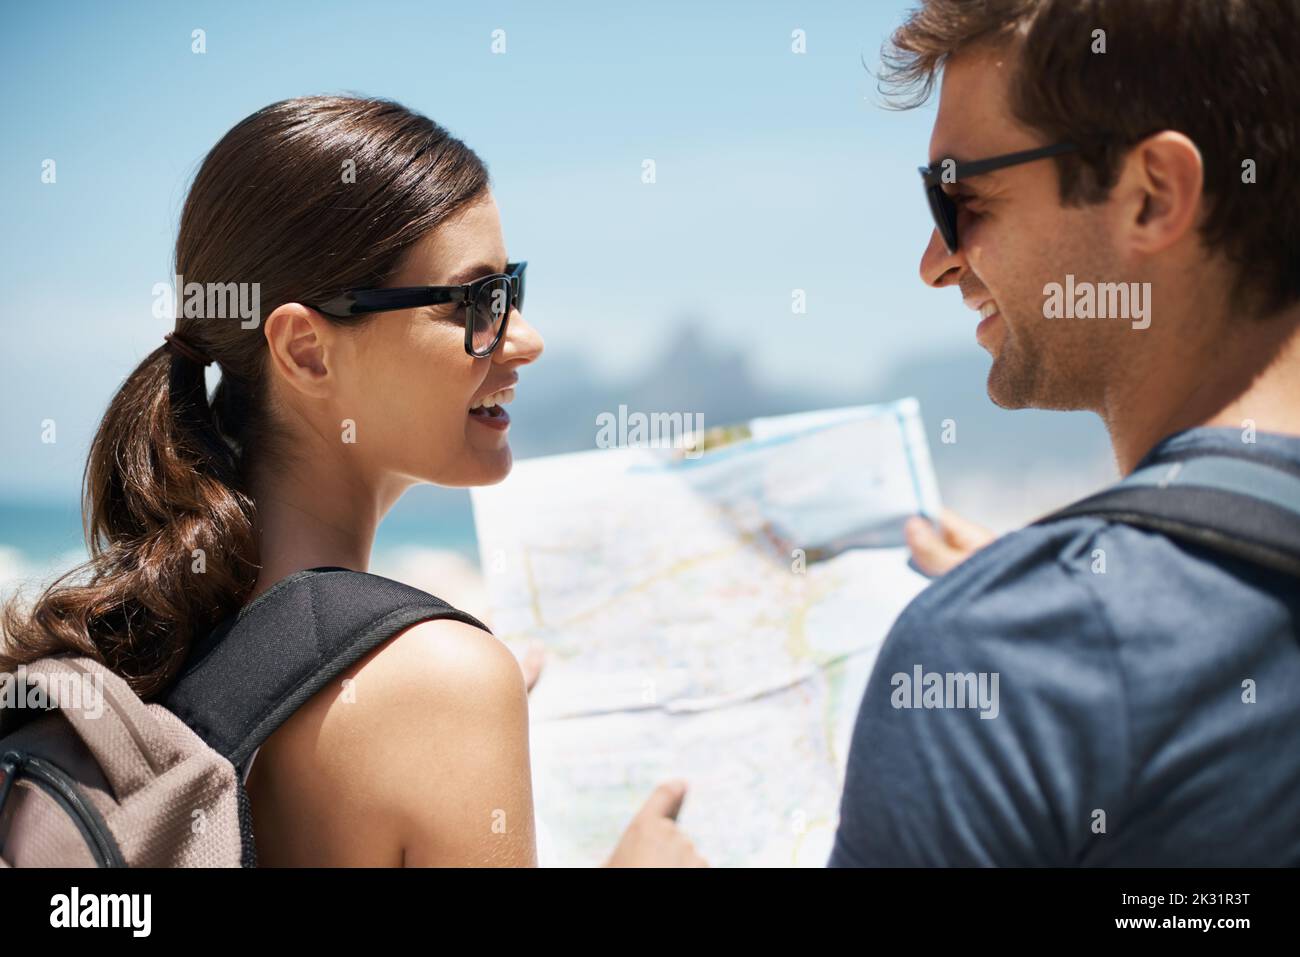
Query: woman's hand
<point x="653" y="839"/>
<point x="937" y="552"/>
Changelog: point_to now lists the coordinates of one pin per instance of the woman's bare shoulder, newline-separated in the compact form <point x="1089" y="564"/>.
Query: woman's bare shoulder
<point x="424" y="735"/>
<point x="440" y="669"/>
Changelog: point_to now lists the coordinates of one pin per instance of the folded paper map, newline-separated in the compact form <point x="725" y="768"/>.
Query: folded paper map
<point x="712" y="615"/>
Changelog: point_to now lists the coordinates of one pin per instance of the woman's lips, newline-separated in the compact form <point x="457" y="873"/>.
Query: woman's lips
<point x="492" y="417"/>
<point x="490" y="410"/>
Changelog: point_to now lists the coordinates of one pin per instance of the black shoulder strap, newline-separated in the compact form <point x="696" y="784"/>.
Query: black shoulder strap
<point x="1246" y="506"/>
<point x="245" y="679"/>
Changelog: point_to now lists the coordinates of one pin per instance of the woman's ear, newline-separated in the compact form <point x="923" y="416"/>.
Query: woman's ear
<point x="300" y="342"/>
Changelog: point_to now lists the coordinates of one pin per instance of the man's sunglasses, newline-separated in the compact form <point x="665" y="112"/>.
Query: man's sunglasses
<point x="487" y="302"/>
<point x="942" y="206"/>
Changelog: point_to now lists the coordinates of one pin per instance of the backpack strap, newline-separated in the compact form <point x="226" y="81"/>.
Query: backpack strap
<point x="1246" y="506"/>
<point x="246" y="678"/>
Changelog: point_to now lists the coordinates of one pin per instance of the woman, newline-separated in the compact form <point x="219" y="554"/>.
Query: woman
<point x="325" y="414"/>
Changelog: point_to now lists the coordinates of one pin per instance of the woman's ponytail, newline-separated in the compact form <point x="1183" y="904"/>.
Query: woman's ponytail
<point x="170" y="534"/>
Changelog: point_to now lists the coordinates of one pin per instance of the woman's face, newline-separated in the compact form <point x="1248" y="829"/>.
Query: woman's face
<point x="411" y="380"/>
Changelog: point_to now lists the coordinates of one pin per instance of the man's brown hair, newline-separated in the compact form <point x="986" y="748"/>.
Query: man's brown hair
<point x="1222" y="72"/>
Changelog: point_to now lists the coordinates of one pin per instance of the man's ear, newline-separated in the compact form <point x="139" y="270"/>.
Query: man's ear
<point x="1161" y="181"/>
<point x="301" y="343"/>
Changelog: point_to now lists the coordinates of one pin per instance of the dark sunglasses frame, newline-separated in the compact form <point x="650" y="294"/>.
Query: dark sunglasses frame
<point x="942" y="206"/>
<point x="356" y="302"/>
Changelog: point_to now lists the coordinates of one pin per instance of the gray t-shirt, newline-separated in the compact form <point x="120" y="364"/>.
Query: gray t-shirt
<point x="1146" y="709"/>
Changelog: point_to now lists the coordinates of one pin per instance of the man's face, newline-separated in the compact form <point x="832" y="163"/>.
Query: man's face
<point x="1014" y="238"/>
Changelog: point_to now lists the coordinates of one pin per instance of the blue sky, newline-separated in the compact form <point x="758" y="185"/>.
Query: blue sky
<point x="775" y="171"/>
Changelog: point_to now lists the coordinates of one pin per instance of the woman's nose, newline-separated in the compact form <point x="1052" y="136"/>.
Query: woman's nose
<point x="522" y="344"/>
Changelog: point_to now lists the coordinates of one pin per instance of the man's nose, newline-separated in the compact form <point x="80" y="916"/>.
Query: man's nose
<point x="938" y="266"/>
<point x="522" y="344"/>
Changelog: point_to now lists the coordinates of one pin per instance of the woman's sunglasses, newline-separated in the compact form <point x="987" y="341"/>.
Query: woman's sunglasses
<point x="942" y="206"/>
<point x="487" y="302"/>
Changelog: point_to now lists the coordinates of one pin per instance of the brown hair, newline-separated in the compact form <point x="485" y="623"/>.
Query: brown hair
<point x="168" y="471"/>
<point x="1220" y="71"/>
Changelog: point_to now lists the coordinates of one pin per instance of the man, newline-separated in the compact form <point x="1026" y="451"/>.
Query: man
<point x="1130" y="698"/>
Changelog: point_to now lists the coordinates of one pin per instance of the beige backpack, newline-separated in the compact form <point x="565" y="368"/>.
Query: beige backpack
<point x="94" y="776"/>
